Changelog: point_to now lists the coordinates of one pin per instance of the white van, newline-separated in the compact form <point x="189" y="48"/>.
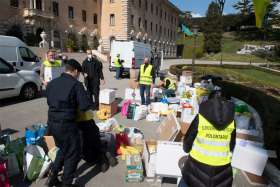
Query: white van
<point x="17" y="53"/>
<point x="131" y="52"/>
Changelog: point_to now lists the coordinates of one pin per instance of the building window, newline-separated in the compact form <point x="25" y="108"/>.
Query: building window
<point x="160" y="13"/>
<point x="146" y="5"/>
<point x="55" y="8"/>
<point x="112" y="1"/>
<point x="84" y="16"/>
<point x="156" y="28"/>
<point x="140" y="3"/>
<point x="152" y="8"/>
<point x="139" y="22"/>
<point x="157" y="11"/>
<point x="146" y="25"/>
<point x="14" y="3"/>
<point x="132" y="20"/>
<point x="70" y="12"/>
<point x="151" y="27"/>
<point x="160" y="30"/>
<point x="112" y="19"/>
<point x="95" y="17"/>
<point x="39" y="4"/>
<point x="165" y="15"/>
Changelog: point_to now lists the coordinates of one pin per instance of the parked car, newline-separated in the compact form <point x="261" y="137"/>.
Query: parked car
<point x="15" y="82"/>
<point x="17" y="53"/>
<point x="131" y="52"/>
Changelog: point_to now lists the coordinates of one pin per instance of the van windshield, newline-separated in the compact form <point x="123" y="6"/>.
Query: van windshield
<point x="27" y="55"/>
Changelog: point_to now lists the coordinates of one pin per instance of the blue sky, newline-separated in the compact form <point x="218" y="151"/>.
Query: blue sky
<point x="199" y="7"/>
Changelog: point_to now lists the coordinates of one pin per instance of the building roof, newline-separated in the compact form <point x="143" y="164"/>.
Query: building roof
<point x="174" y="7"/>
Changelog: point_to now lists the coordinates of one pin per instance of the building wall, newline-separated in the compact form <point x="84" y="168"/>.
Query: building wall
<point x="126" y="29"/>
<point x="58" y="27"/>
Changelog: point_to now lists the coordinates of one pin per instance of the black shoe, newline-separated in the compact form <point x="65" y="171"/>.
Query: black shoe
<point x="53" y="180"/>
<point x="112" y="160"/>
<point x="104" y="166"/>
<point x="71" y="185"/>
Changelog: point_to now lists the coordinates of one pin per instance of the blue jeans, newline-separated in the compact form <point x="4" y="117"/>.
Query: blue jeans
<point x="118" y="73"/>
<point x="182" y="183"/>
<point x="169" y="93"/>
<point x="145" y="89"/>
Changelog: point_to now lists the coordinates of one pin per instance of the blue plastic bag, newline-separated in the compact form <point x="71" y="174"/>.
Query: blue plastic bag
<point x="35" y="133"/>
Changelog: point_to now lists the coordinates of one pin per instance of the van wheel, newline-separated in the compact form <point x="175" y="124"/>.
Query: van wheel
<point x="29" y="91"/>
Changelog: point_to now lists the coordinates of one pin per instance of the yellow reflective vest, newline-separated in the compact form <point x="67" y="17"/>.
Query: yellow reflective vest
<point x="212" y="146"/>
<point x="117" y="62"/>
<point x="52" y="70"/>
<point x="146" y="77"/>
<point x="84" y="116"/>
<point x="172" y="85"/>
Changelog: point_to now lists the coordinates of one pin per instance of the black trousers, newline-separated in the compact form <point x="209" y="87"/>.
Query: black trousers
<point x="91" y="143"/>
<point x="94" y="89"/>
<point x="67" y="139"/>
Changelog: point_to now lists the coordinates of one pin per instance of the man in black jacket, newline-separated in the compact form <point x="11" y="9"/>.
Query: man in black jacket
<point x="93" y="73"/>
<point x="209" y="141"/>
<point x="64" y="96"/>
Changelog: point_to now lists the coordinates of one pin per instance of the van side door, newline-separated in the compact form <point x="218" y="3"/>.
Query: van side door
<point x="28" y="59"/>
<point x="9" y="80"/>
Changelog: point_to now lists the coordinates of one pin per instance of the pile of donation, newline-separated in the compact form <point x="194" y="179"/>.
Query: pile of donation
<point x="175" y="115"/>
<point x="145" y="159"/>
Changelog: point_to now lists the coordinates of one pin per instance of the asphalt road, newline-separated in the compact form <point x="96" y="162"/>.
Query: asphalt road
<point x="17" y="114"/>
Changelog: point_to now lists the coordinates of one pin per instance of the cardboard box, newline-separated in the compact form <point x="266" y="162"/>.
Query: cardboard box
<point x="112" y="108"/>
<point x="132" y="94"/>
<point x="249" y="158"/>
<point x="134" y="168"/>
<point x="107" y="96"/>
<point x="248" y="135"/>
<point x="184" y="127"/>
<point x="168" y="156"/>
<point x="133" y="84"/>
<point x="243" y="178"/>
<point x="149" y="158"/>
<point x="133" y="73"/>
<point x="50" y="142"/>
<point x="169" y="128"/>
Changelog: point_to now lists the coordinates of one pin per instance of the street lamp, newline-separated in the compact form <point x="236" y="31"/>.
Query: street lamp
<point x="195" y="32"/>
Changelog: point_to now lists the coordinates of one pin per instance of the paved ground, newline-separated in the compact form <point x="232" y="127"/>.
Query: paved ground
<point x="18" y="115"/>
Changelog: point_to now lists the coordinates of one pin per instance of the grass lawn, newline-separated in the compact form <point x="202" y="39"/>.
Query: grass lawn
<point x="245" y="76"/>
<point x="230" y="47"/>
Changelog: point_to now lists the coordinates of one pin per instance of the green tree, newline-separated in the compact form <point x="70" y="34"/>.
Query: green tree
<point x="221" y="4"/>
<point x="213" y="29"/>
<point x="71" y="42"/>
<point x="245" y="7"/>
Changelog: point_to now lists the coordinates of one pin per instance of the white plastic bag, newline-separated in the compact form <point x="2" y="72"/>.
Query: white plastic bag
<point x="107" y="125"/>
<point x="242" y="121"/>
<point x="140" y="112"/>
<point x="153" y="117"/>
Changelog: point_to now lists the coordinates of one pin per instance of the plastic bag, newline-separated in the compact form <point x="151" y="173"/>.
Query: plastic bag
<point x="153" y="117"/>
<point x="34" y="133"/>
<point x="140" y="112"/>
<point x="4" y="179"/>
<point x="124" y="109"/>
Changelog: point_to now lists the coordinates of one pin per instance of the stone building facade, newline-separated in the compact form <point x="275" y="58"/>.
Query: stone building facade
<point x="153" y="21"/>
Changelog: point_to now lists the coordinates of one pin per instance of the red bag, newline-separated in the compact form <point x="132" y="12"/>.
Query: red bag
<point x="121" y="139"/>
<point x="4" y="179"/>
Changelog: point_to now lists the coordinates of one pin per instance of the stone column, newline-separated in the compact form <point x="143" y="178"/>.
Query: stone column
<point x="31" y="4"/>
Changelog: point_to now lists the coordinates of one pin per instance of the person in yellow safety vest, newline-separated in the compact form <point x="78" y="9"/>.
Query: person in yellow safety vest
<point x="50" y="68"/>
<point x="118" y="66"/>
<point x="146" y="79"/>
<point x="209" y="142"/>
<point x="168" y="85"/>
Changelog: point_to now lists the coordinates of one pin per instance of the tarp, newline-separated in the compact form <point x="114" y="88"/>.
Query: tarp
<point x="260" y="7"/>
<point x="186" y="30"/>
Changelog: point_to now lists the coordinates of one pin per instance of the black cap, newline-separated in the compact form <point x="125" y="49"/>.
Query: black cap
<point x="75" y="64"/>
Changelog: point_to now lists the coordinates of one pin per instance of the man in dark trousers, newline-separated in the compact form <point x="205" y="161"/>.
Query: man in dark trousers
<point x="209" y="142"/>
<point x="146" y="79"/>
<point x="93" y="73"/>
<point x="65" y="95"/>
<point x="157" y="64"/>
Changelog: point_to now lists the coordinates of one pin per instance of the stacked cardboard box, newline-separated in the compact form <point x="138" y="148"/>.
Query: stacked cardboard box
<point x="134" y="168"/>
<point x="108" y="103"/>
<point x="111" y="109"/>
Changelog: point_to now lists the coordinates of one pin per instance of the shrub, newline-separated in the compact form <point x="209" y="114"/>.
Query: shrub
<point x="71" y="42"/>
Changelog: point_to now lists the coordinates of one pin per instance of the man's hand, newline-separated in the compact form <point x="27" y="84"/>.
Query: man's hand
<point x="45" y="83"/>
<point x="103" y="82"/>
